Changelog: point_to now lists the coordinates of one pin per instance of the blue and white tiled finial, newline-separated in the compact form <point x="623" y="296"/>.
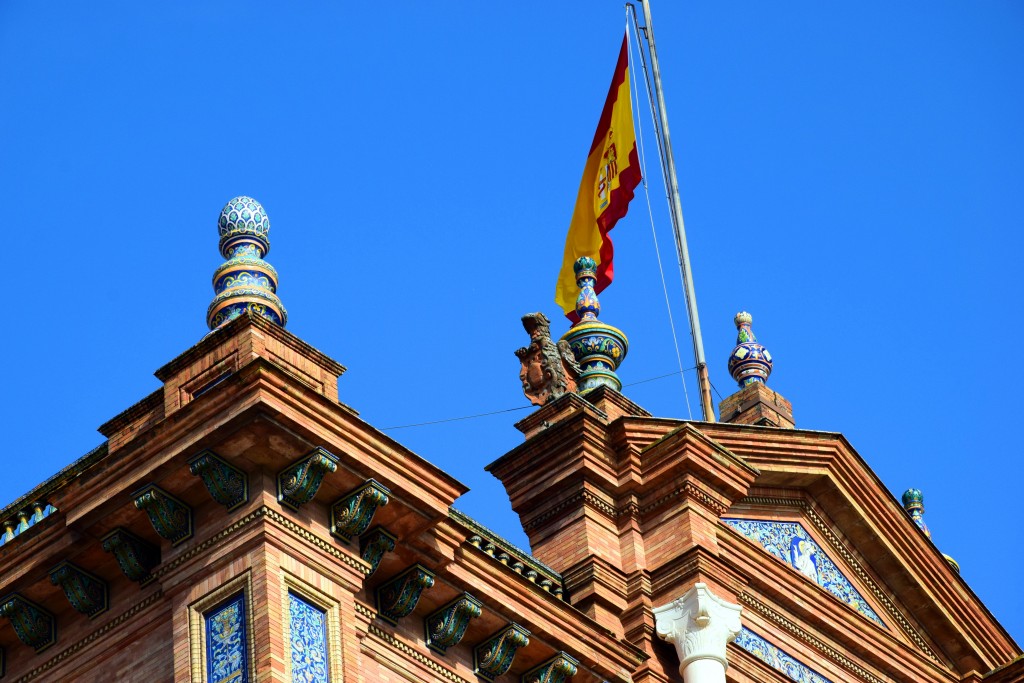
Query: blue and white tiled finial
<point x="913" y="503"/>
<point x="598" y="347"/>
<point x="750" y="361"/>
<point x="245" y="282"/>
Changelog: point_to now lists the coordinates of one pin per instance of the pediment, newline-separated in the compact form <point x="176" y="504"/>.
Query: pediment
<point x="885" y="569"/>
<point x="790" y="542"/>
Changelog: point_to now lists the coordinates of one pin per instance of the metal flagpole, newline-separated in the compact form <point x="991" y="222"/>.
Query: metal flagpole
<point x="703" y="382"/>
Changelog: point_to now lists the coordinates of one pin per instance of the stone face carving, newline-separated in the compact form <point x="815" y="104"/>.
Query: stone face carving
<point x="171" y="518"/>
<point x="85" y="592"/>
<point x="446" y="627"/>
<point x="351" y="515"/>
<point x="374" y="544"/>
<point x="700" y="625"/>
<point x="34" y="625"/>
<point x="299" y="482"/>
<point x="493" y="657"/>
<point x="135" y="556"/>
<point x="398" y="597"/>
<point x="227" y="484"/>
<point x="548" y="370"/>
<point x="558" y="669"/>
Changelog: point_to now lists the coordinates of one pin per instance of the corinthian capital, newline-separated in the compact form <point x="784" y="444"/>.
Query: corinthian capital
<point x="700" y="624"/>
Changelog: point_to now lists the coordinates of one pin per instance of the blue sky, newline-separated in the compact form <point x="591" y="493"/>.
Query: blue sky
<point x="851" y="174"/>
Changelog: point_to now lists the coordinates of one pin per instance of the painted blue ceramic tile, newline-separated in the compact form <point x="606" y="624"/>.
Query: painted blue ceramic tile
<point x="778" y="659"/>
<point x="791" y="543"/>
<point x="309" y="641"/>
<point x="226" y="660"/>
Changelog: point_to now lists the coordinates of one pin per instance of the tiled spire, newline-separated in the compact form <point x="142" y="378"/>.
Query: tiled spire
<point x="245" y="282"/>
<point x="750" y="361"/>
<point x="598" y="348"/>
<point x="913" y="503"/>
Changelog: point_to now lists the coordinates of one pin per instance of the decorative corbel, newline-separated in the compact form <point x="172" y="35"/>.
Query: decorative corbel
<point x="352" y="514"/>
<point x="700" y="624"/>
<point x="493" y="657"/>
<point x="135" y="556"/>
<point x="170" y="518"/>
<point x="86" y="593"/>
<point x="373" y="545"/>
<point x="446" y="627"/>
<point x="227" y="484"/>
<point x="299" y="482"/>
<point x="397" y="598"/>
<point x="34" y="625"/>
<point x="559" y="669"/>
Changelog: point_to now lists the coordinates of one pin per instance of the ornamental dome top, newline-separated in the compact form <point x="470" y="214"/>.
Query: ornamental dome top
<point x="243" y="221"/>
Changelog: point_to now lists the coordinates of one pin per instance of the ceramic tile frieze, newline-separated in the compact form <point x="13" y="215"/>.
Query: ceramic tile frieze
<point x="226" y="658"/>
<point x="308" y="626"/>
<point x="790" y="542"/>
<point x="777" y="658"/>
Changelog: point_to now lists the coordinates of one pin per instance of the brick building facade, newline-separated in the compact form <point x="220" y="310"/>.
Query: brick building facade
<point x="242" y="524"/>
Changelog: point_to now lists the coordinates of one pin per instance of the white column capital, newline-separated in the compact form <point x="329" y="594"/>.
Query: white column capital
<point x="700" y="624"/>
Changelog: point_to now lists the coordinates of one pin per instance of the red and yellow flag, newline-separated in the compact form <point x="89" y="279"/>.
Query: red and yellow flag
<point x="609" y="176"/>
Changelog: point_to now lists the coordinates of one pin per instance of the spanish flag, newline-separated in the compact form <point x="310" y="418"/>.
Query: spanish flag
<point x="609" y="176"/>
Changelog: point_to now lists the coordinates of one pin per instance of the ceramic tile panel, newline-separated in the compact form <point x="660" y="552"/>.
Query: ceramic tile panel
<point x="226" y="657"/>
<point x="777" y="658"/>
<point x="308" y="627"/>
<point x="790" y="542"/>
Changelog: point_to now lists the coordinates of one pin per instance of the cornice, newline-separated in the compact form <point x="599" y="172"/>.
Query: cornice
<point x="222" y="334"/>
<point x="126" y="417"/>
<point x="356" y="563"/>
<point x="810" y="639"/>
<point x="149" y="600"/>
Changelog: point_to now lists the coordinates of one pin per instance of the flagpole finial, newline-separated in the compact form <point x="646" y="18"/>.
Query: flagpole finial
<point x="245" y="282"/>
<point x="750" y="361"/>
<point x="598" y="347"/>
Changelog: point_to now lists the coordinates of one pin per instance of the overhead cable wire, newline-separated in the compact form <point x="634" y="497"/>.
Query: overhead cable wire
<point x="512" y="410"/>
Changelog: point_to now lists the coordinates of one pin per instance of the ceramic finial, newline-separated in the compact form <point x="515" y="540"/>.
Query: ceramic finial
<point x="913" y="503"/>
<point x="750" y="361"/>
<point x="599" y="348"/>
<point x="245" y="282"/>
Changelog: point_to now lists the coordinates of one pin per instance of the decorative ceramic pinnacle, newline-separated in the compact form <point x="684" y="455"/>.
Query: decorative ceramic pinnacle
<point x="135" y="556"/>
<point x="749" y="362"/>
<point x="170" y="518"/>
<point x="587" y="305"/>
<point x="493" y="657"/>
<point x="34" y="625"/>
<point x="227" y="484"/>
<point x="446" y="627"/>
<point x="398" y="597"/>
<point x="299" y="482"/>
<point x="86" y="593"/>
<point x="599" y="348"/>
<point x="913" y="503"/>
<point x="374" y="544"/>
<point x="351" y="515"/>
<point x="559" y="669"/>
<point x="245" y="282"/>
